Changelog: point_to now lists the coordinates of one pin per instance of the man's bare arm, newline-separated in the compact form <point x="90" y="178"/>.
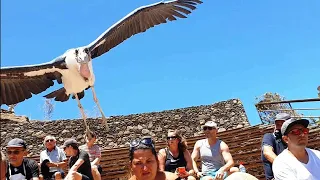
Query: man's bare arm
<point x="194" y="156"/>
<point x="226" y="156"/>
<point x="96" y="161"/>
<point x="268" y="153"/>
<point x="76" y="165"/>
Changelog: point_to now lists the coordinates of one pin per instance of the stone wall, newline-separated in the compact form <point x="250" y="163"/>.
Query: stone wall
<point x="227" y="114"/>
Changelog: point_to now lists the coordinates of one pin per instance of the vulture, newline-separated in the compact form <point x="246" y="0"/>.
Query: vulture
<point x="73" y="69"/>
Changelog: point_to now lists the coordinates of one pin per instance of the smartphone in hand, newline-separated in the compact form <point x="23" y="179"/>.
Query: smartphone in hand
<point x="182" y="170"/>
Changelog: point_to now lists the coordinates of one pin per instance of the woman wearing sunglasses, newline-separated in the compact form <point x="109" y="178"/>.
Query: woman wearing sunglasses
<point x="175" y="157"/>
<point x="144" y="163"/>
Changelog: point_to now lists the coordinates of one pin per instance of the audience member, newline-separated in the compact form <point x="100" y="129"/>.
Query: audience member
<point x="20" y="167"/>
<point x="176" y="155"/>
<point x="52" y="159"/>
<point x="241" y="176"/>
<point x="79" y="162"/>
<point x="273" y="145"/>
<point x="297" y="161"/>
<point x="3" y="166"/>
<point x="94" y="153"/>
<point x="144" y="163"/>
<point x="216" y="160"/>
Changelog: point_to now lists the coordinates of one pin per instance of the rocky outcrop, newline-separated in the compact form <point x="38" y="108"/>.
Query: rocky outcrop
<point x="8" y="115"/>
<point x="227" y="114"/>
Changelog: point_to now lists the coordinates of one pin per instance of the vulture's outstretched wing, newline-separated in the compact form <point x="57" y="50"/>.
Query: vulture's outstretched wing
<point x="20" y="82"/>
<point x="139" y="21"/>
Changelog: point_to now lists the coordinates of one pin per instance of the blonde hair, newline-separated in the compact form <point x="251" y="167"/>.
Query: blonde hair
<point x="182" y="141"/>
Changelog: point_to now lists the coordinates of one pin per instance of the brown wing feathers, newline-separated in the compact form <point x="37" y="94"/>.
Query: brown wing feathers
<point x="16" y="90"/>
<point x="142" y="20"/>
<point x="16" y="87"/>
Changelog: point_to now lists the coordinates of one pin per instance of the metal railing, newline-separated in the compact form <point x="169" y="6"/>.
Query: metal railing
<point x="268" y="110"/>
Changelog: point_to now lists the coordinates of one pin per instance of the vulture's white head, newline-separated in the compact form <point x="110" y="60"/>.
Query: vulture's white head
<point x="82" y="55"/>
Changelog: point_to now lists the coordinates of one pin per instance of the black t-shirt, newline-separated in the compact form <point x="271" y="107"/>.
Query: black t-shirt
<point x="85" y="167"/>
<point x="173" y="163"/>
<point x="29" y="168"/>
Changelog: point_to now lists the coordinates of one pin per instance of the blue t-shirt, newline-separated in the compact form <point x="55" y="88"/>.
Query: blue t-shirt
<point x="278" y="145"/>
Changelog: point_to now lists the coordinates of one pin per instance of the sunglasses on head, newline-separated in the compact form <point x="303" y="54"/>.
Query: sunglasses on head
<point x="207" y="128"/>
<point x="172" y="138"/>
<point x="298" y="132"/>
<point x="16" y="152"/>
<point x="49" y="140"/>
<point x="137" y="142"/>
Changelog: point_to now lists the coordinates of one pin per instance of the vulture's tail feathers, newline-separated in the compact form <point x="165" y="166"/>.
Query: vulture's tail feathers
<point x="58" y="95"/>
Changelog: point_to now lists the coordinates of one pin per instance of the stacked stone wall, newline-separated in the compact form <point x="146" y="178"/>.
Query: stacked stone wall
<point x="228" y="114"/>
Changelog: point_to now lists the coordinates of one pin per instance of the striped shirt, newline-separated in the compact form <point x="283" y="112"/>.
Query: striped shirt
<point x="94" y="152"/>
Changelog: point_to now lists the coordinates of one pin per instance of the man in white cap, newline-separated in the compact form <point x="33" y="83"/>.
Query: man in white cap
<point x="216" y="160"/>
<point x="297" y="161"/>
<point x="272" y="145"/>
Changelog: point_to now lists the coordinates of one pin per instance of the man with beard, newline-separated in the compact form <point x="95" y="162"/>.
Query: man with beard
<point x="216" y="160"/>
<point x="272" y="145"/>
<point x="297" y="162"/>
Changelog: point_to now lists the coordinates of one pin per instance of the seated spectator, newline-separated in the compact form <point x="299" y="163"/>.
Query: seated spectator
<point x="273" y="145"/>
<point x="297" y="161"/>
<point x="216" y="160"/>
<point x="176" y="155"/>
<point x="241" y="176"/>
<point x="3" y="166"/>
<point x="94" y="152"/>
<point x="144" y="163"/>
<point x="20" y="167"/>
<point x="52" y="160"/>
<point x="79" y="162"/>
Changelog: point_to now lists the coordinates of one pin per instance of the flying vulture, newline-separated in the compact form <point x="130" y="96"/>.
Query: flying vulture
<point x="74" y="68"/>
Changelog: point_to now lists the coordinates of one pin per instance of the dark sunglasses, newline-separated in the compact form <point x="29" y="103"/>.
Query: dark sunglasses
<point x="207" y="128"/>
<point x="13" y="152"/>
<point x="298" y="132"/>
<point x="49" y="140"/>
<point x="137" y="142"/>
<point x="172" y="138"/>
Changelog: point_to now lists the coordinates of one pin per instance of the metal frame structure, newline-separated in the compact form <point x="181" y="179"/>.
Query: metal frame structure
<point x="267" y="110"/>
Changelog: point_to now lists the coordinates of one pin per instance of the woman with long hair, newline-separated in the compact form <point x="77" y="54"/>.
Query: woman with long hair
<point x="144" y="163"/>
<point x="175" y="157"/>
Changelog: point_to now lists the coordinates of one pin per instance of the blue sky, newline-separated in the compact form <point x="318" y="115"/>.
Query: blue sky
<point x="223" y="50"/>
